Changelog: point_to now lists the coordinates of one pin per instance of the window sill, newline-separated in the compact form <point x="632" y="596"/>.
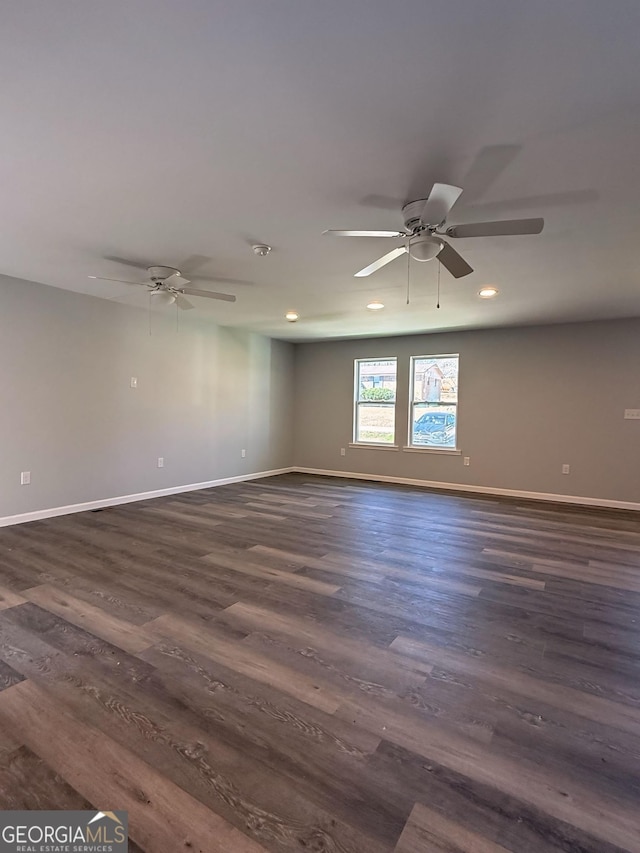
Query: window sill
<point x="449" y="451"/>
<point x="373" y="446"/>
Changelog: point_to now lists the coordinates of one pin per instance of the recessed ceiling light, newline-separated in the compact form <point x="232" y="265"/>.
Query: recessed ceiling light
<point x="291" y="316"/>
<point x="375" y="305"/>
<point x="488" y="292"/>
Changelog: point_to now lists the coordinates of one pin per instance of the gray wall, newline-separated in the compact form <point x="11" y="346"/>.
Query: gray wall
<point x="530" y="399"/>
<point x="68" y="414"/>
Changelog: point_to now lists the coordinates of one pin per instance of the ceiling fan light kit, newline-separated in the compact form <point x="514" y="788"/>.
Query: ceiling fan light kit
<point x="165" y="296"/>
<point x="425" y="247"/>
<point x="425" y="226"/>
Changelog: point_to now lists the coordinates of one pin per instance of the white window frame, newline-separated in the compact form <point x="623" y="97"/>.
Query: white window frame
<point x="431" y="448"/>
<point x="357" y="403"/>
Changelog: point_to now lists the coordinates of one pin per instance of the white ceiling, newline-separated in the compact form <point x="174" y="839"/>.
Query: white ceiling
<point x="162" y="129"/>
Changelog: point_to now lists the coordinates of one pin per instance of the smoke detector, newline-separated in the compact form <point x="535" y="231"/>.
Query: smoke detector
<point x="261" y="249"/>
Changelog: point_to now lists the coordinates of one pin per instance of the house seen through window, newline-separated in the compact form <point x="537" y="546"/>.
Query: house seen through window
<point x="434" y="401"/>
<point x="375" y="401"/>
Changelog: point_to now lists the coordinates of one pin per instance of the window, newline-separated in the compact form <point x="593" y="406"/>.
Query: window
<point x="434" y="401"/>
<point x="374" y="420"/>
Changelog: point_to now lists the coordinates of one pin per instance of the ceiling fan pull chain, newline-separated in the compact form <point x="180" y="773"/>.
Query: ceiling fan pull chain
<point x="408" y="275"/>
<point x="438" y="303"/>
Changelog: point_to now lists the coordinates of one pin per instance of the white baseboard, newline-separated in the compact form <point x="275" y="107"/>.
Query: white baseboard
<point x="51" y="512"/>
<point x="126" y="499"/>
<point x="482" y="490"/>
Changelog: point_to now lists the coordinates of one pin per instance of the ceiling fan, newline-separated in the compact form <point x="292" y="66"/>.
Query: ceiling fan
<point x="169" y="284"/>
<point x="424" y="222"/>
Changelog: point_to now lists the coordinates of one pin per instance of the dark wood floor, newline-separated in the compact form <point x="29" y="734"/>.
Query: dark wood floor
<point x="305" y="664"/>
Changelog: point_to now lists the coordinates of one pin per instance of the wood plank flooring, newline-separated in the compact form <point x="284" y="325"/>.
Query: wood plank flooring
<point x="307" y="664"/>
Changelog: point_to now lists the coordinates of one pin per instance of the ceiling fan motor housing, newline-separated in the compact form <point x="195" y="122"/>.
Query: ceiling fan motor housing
<point x="412" y="213"/>
<point x="158" y="274"/>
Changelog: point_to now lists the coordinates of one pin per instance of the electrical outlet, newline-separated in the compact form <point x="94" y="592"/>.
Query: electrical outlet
<point x="466" y="460"/>
<point x="566" y="469"/>
<point x="134" y="382"/>
<point x="343" y="451"/>
<point x="25" y="478"/>
<point x="160" y="461"/>
<point x="243" y="453"/>
<point x="632" y="414"/>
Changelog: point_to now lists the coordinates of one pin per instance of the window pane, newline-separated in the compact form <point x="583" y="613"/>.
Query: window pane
<point x="376" y="422"/>
<point x="376" y="380"/>
<point x="375" y="400"/>
<point x="435" y="379"/>
<point x="433" y="426"/>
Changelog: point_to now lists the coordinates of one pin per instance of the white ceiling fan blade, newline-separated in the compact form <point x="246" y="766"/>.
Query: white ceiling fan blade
<point x="363" y="233"/>
<point x="176" y="280"/>
<point x="441" y="199"/>
<point x="454" y="262"/>
<point x="183" y="304"/>
<point x="209" y="294"/>
<point x="222" y="280"/>
<point x="120" y="280"/>
<point x="192" y="263"/>
<point x="128" y="262"/>
<point x="506" y="227"/>
<point x="381" y="262"/>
